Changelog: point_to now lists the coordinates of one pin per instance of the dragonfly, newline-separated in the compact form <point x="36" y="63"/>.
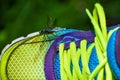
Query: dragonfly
<point x="23" y="59"/>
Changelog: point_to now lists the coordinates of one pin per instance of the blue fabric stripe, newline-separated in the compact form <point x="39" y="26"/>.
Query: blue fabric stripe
<point x="111" y="55"/>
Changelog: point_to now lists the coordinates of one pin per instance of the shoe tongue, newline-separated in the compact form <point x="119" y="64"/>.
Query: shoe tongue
<point x="52" y="70"/>
<point x="118" y="47"/>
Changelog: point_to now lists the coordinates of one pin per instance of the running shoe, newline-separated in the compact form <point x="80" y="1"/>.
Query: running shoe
<point x="65" y="54"/>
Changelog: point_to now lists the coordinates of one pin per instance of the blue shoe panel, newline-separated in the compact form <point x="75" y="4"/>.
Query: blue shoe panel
<point x="93" y="61"/>
<point x="111" y="55"/>
<point x="57" y="66"/>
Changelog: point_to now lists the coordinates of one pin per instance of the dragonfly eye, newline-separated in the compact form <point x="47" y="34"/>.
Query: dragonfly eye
<point x="46" y="31"/>
<point x="49" y="31"/>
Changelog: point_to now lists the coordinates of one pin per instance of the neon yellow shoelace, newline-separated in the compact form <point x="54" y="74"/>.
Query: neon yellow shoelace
<point x="73" y="55"/>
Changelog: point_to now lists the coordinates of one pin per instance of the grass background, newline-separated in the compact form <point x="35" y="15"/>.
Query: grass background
<point x="21" y="17"/>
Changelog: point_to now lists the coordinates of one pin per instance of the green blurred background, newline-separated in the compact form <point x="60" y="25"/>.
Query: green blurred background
<point x="21" y="17"/>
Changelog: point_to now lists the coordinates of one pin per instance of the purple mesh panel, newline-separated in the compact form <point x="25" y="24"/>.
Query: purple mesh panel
<point x="118" y="47"/>
<point x="67" y="38"/>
